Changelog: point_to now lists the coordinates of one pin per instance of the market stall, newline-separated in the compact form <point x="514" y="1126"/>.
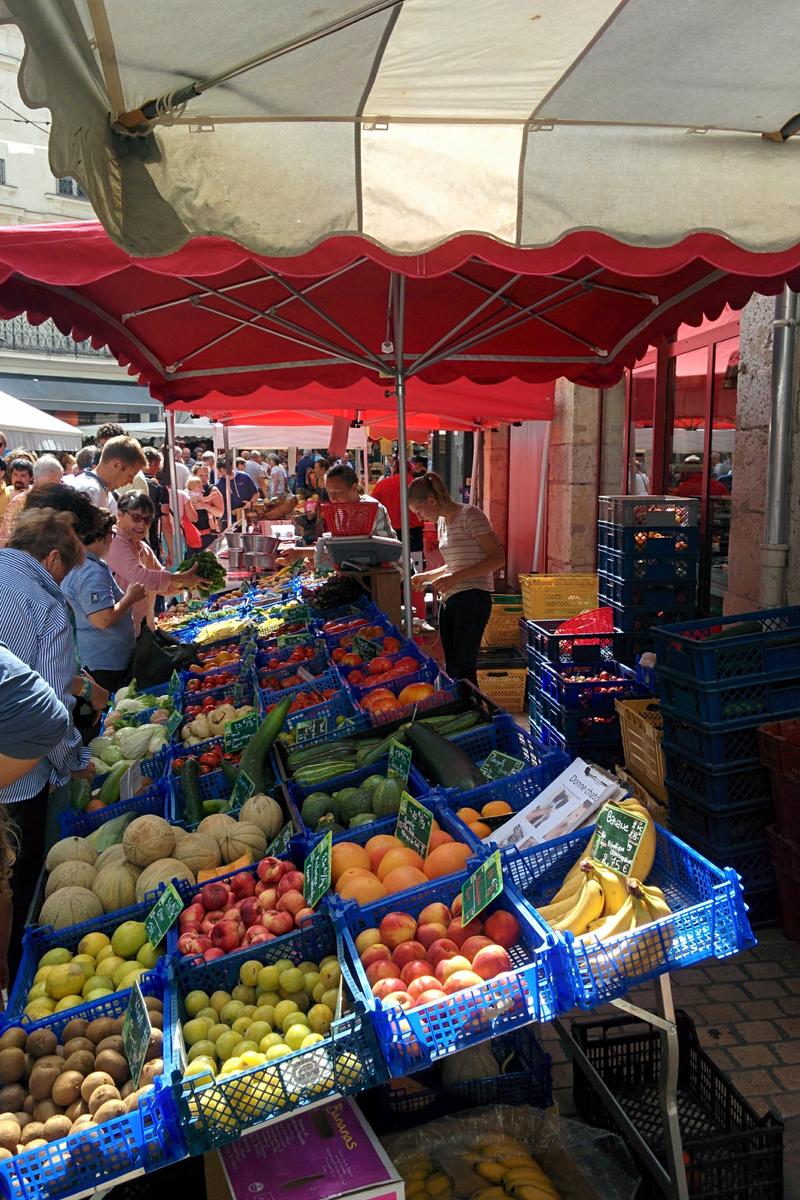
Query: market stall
<point x="27" y="426"/>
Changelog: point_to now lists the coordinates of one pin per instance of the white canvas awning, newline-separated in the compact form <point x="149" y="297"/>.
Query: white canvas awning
<point x="411" y="121"/>
<point x="274" y="437"/>
<point x="32" y="429"/>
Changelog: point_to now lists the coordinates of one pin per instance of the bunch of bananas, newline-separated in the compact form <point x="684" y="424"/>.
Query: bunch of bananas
<point x="510" y="1171"/>
<point x="425" y="1180"/>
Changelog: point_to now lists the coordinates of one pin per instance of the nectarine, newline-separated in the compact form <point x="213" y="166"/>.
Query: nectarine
<point x="423" y="984"/>
<point x="448" y="966"/>
<point x="397" y="927"/>
<point x="407" y="952"/>
<point x="434" y="914"/>
<point x="459" y="933"/>
<point x="473" y="944"/>
<point x="459" y="981"/>
<point x="367" y="937"/>
<point x="397" y="1000"/>
<point x="490" y="961"/>
<point x="503" y="928"/>
<point x="381" y="970"/>
<point x="385" y="987"/>
<point x="376" y="953"/>
<point x="418" y="969"/>
<point x="442" y="948"/>
<point x="427" y="934"/>
<point x="431" y="996"/>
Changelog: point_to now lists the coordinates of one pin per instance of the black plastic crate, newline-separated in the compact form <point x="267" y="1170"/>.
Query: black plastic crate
<point x="570" y="649"/>
<point x="719" y="788"/>
<point x="731" y="826"/>
<point x="649" y="594"/>
<point x="730" y="1152"/>
<point x="508" y="658"/>
<point x="648" y="542"/>
<point x="641" y="566"/>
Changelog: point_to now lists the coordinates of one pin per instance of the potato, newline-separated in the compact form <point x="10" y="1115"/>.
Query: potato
<point x="35" y="1144"/>
<point x="10" y="1134"/>
<point x="40" y="1084"/>
<point x="100" y="1096"/>
<point x="12" y="1098"/>
<point x="14" y="1036"/>
<point x="131" y="1102"/>
<point x="78" y="1043"/>
<point x="114" y="1064"/>
<point x="75" y="1028"/>
<point x="46" y="1109"/>
<point x="112" y="1042"/>
<point x="22" y="1119"/>
<point x="151" y="1070"/>
<point x="42" y="1041"/>
<point x="77" y="1109"/>
<point x="57" y="1127"/>
<point x="95" y="1080"/>
<point x="67" y="1088"/>
<point x="81" y="1060"/>
<point x="31" y="1132"/>
<point x="127" y="1089"/>
<point x="29" y="1104"/>
<point x="109" y="1110"/>
<point x="99" y="1029"/>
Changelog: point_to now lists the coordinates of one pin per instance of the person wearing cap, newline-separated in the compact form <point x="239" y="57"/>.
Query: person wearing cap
<point x="692" y="482"/>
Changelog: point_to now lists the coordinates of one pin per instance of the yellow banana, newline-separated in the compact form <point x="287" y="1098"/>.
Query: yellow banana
<point x="489" y="1169"/>
<point x="654" y="899"/>
<point x="521" y="1175"/>
<point x="588" y="907"/>
<point x="618" y="922"/>
<point x="532" y="1191"/>
<point x="614" y="885"/>
<point x="489" y="1193"/>
<point x="513" y="1159"/>
<point x="438" y="1184"/>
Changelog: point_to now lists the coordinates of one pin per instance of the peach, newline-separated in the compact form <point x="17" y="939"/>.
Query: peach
<point x="431" y="932"/>
<point x="502" y="928"/>
<point x="438" y="914"/>
<point x="407" y="952"/>
<point x="459" y="933"/>
<point x="401" y="857"/>
<point x="381" y="970"/>
<point x="455" y="907"/>
<point x="448" y="966"/>
<point x="397" y="927"/>
<point x="431" y="996"/>
<point x="379" y="845"/>
<point x="473" y="944"/>
<point x="397" y="999"/>
<point x="402" y="879"/>
<point x="460" y="980"/>
<point x="417" y="969"/>
<point x="387" y="985"/>
<point x="303" y="917"/>
<point x="291" y="902"/>
<point x="490" y="961"/>
<point x="367" y="937"/>
<point x="376" y="953"/>
<point x="423" y="984"/>
<point x="441" y="948"/>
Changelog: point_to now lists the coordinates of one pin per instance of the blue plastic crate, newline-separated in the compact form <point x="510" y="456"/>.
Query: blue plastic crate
<point x="97" y="1158"/>
<point x="704" y="826"/>
<point x="708" y="918"/>
<point x="602" y="728"/>
<point x="417" y="786"/>
<point x="213" y="786"/>
<point x="155" y="800"/>
<point x="38" y="939"/>
<point x="729" y="744"/>
<point x="647" y="542"/>
<point x="220" y="1111"/>
<point x="571" y="649"/>
<point x="536" y="989"/>
<point x="635" y="566"/>
<point x="332" y="641"/>
<point x="247" y="681"/>
<point x="316" y="644"/>
<point x="647" y="594"/>
<point x="590" y="695"/>
<point x="407" y="650"/>
<point x="427" y="672"/>
<point x="769" y="644"/>
<point x="764" y="696"/>
<point x="643" y="621"/>
<point x="339" y="705"/>
<point x="717" y="788"/>
<point x="750" y="860"/>
<point x="366" y="608"/>
<point x="590" y="750"/>
<point x="348" y="722"/>
<point x="329" y="679"/>
<point x="316" y="665"/>
<point x="445" y="692"/>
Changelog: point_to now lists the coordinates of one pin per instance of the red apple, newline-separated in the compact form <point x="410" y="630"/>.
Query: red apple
<point x="423" y="984"/>
<point x="277" y="922"/>
<point x="193" y="943"/>
<point x="459" y="981"/>
<point x="213" y="896"/>
<point x="430" y="933"/>
<point x="257" y="934"/>
<point x="491" y="960"/>
<point x="243" y="885"/>
<point x="434" y="914"/>
<point x="376" y="953"/>
<point x="459" y="933"/>
<point x="381" y="970"/>
<point x="449" y="966"/>
<point x="396" y="999"/>
<point x="397" y="927"/>
<point x="441" y="948"/>
<point x="408" y="952"/>
<point x="503" y="928"/>
<point x="472" y="945"/>
<point x="292" y="881"/>
<point x="418" y="969"/>
<point x="227" y="935"/>
<point x="269" y="870"/>
<point x="386" y="985"/>
<point x="251" y="911"/>
<point x="429" y="997"/>
<point x="269" y="897"/>
<point x="291" y="902"/>
<point x="212" y="953"/>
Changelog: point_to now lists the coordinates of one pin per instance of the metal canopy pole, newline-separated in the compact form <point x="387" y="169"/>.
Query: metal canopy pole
<point x="775" y="547"/>
<point x="169" y="419"/>
<point x="398" y="322"/>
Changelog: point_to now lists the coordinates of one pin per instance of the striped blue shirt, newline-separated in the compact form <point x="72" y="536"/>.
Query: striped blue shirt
<point x="35" y="625"/>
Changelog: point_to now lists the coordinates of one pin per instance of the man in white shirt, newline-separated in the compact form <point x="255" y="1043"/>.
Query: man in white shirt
<point x="182" y="472"/>
<point x="255" y="469"/>
<point x="278" y="479"/>
<point x="121" y="459"/>
<point x="104" y="434"/>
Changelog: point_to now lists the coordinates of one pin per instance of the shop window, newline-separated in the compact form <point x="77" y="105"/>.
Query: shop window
<point x="640" y="429"/>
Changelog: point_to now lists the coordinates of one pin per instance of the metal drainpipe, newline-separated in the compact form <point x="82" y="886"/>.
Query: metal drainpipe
<point x="775" y="547"/>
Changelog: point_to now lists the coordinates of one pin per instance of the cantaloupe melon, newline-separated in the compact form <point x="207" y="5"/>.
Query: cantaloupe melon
<point x="243" y="838"/>
<point x="70" y="874"/>
<point x="70" y="849"/>
<point x="111" y="857"/>
<point x="147" y="839"/>
<point x="198" y="851"/>
<point x="115" y="887"/>
<point x="217" y="825"/>
<point x="162" y="871"/>
<point x="265" y="812"/>
<point x="70" y="906"/>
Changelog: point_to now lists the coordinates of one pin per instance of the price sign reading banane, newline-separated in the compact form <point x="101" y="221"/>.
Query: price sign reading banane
<point x="136" y="1033"/>
<point x="414" y="824"/>
<point x="237" y="734"/>
<point x="367" y="649"/>
<point x="617" y="837"/>
<point x="317" y="871"/>
<point x="281" y="843"/>
<point x="499" y="766"/>
<point x="309" y="731"/>
<point x="399" y="761"/>
<point x="163" y="915"/>
<point x="243" y="789"/>
<point x="481" y="888"/>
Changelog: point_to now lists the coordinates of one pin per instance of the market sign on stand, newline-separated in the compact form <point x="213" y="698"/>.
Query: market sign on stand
<point x="317" y="871"/>
<point x="281" y="843"/>
<point x="399" y="761"/>
<point x="243" y="789"/>
<point x="136" y="1033"/>
<point x="616" y="838"/>
<point x="414" y="825"/>
<point x="309" y="731"/>
<point x="366" y="649"/>
<point x="499" y="766"/>
<point x="291" y="639"/>
<point x="175" y="686"/>
<point x="481" y="888"/>
<point x="163" y="915"/>
<point x="237" y="734"/>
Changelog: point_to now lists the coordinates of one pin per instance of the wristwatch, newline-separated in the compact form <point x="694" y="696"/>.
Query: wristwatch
<point x="86" y="688"/>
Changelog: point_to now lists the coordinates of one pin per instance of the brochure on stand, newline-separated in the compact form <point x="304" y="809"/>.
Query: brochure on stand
<point x="566" y="804"/>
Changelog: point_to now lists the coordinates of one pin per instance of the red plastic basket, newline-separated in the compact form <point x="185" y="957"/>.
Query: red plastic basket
<point x="352" y="519"/>
<point x="598" y="620"/>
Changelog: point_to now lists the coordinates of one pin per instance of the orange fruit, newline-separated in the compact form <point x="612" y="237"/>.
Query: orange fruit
<point x="496" y="808"/>
<point x="362" y="886"/>
<point x="468" y="815"/>
<point x="379" y="845"/>
<point x="402" y="857"/>
<point x="345" y="855"/>
<point x="447" y="860"/>
<point x="480" y="829"/>
<point x="403" y="878"/>
<point x="439" y="838"/>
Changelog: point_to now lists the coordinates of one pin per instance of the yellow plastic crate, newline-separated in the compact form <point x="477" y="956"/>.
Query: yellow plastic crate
<point x="557" y="597"/>
<point x="658" y="811"/>
<point x="505" y="687"/>
<point x="503" y="628"/>
<point x="642" y="727"/>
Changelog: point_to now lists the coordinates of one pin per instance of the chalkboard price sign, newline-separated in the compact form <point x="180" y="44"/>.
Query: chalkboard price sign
<point x="318" y="871"/>
<point x="136" y="1033"/>
<point x="617" y="837"/>
<point x="309" y="731"/>
<point x="163" y="915"/>
<point x="499" y="766"/>
<point x="175" y="686"/>
<point x="281" y="843"/>
<point x="243" y="789"/>
<point x="291" y="639"/>
<point x="414" y="824"/>
<point x="237" y="734"/>
<point x="399" y="761"/>
<point x="481" y="888"/>
<point x="367" y="649"/>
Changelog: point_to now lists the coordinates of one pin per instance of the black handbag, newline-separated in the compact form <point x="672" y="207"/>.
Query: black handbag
<point x="156" y="655"/>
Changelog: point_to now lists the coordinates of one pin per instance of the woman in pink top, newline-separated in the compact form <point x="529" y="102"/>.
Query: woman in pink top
<point x="132" y="560"/>
<point x="471" y="554"/>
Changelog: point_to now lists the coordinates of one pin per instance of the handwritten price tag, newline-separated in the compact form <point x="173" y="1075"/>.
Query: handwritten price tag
<point x="617" y="837"/>
<point x="481" y="888"/>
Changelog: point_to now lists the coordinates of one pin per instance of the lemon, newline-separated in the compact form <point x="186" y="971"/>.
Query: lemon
<point x="68" y="1002"/>
<point x="311" y="1039"/>
<point x="66" y="980"/>
<point x="128" y="938"/>
<point x="93" y="943"/>
<point x="203" y="1050"/>
<point x="37" y="991"/>
<point x="56" y="957"/>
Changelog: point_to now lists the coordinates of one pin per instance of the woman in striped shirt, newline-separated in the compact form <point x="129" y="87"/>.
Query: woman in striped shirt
<point x="471" y="554"/>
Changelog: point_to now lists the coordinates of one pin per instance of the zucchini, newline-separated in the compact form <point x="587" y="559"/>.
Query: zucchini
<point x="443" y="762"/>
<point x="254" y="755"/>
<point x="230" y="770"/>
<point x="80" y="793"/>
<point x="109" y="788"/>
<point x="192" y="804"/>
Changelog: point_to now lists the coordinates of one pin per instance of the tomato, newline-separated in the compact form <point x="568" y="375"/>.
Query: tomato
<point x="193" y="685"/>
<point x="379" y="665"/>
<point x="351" y="660"/>
<point x="406" y="664"/>
<point x="178" y="765"/>
<point x="390" y="644"/>
<point x="356" y="677"/>
<point x="338" y="654"/>
<point x="415" y="692"/>
<point x="209" y="760"/>
<point x="385" y="704"/>
<point x="204" y="770"/>
<point x="375" y="697"/>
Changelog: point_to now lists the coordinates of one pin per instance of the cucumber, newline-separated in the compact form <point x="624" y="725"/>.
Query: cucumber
<point x="109" y="788"/>
<point x="254" y="755"/>
<point x="443" y="762"/>
<point x="192" y="803"/>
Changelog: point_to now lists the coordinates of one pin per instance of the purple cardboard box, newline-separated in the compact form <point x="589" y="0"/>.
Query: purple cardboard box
<point x="324" y="1153"/>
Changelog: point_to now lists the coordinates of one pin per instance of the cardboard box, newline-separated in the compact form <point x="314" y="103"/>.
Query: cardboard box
<point x="323" y="1153"/>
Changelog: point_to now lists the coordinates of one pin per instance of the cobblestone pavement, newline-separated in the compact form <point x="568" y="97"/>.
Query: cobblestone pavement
<point x="747" y="1013"/>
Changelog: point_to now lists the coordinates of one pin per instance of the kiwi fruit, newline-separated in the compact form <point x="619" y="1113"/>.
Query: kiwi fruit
<point x="67" y="1088"/>
<point x="153" y="1004"/>
<point x="77" y="1109"/>
<point x="114" y="1064"/>
<point x="151" y="1070"/>
<point x="100" y="1096"/>
<point x="5" y="1155"/>
<point x="12" y="1064"/>
<point x="44" y="1110"/>
<point x="77" y="1043"/>
<point x="99" y="1029"/>
<point x="81" y="1060"/>
<point x="155" y="1046"/>
<point x="109" y="1110"/>
<point x="42" y="1041"/>
<point x="157" y="1020"/>
<point x="83" y="1122"/>
<point x="40" y="1084"/>
<point x="28" y="1104"/>
<point x="57" y="1127"/>
<point x="47" y="1060"/>
<point x="10" y="1134"/>
<point x="12" y="1098"/>
<point x="31" y="1132"/>
<point x="13" y="1037"/>
<point x="75" y="1028"/>
<point x="112" y="1042"/>
<point x="118" y="1022"/>
<point x="95" y="1080"/>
